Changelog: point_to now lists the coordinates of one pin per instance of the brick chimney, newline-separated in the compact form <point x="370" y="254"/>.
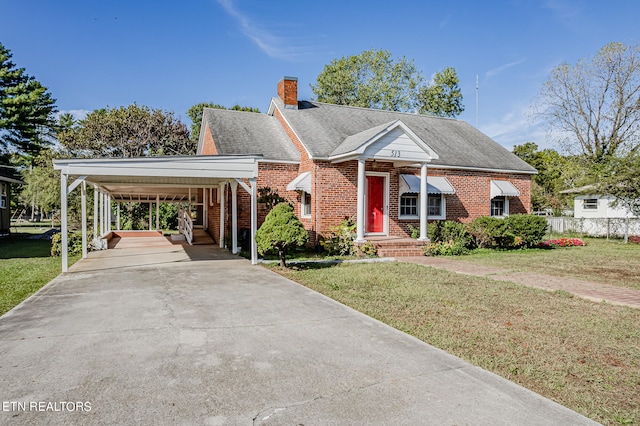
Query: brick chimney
<point x="288" y="92"/>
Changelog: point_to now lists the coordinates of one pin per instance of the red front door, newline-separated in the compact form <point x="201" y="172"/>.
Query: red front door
<point x="375" y="204"/>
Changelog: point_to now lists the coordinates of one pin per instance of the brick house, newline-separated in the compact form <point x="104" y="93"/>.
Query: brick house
<point x="335" y="162"/>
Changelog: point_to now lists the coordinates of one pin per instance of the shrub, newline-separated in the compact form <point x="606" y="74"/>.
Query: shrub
<point x="449" y="238"/>
<point x="491" y="232"/>
<point x="528" y="229"/>
<point x="515" y="231"/>
<point x="369" y="249"/>
<point x="74" y="244"/>
<point x="339" y="241"/>
<point x="281" y="232"/>
<point x="445" y="248"/>
<point x="448" y="230"/>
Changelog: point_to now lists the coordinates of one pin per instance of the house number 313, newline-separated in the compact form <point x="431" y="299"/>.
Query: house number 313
<point x="395" y="153"/>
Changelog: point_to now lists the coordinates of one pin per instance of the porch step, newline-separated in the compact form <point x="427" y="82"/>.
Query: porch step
<point x="400" y="252"/>
<point x="398" y="247"/>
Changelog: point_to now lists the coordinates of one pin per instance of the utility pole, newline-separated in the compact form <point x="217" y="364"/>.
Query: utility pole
<point x="476" y="101"/>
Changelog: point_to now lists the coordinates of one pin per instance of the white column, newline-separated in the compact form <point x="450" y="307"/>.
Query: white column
<point x="205" y="208"/>
<point x="118" y="215"/>
<point x="101" y="213"/>
<point x="63" y="221"/>
<point x="157" y="211"/>
<point x="96" y="211"/>
<point x="109" y="212"/>
<point x="222" y="187"/>
<point x="83" y="203"/>
<point x="360" y="216"/>
<point x="150" y="215"/>
<point x="423" y="203"/>
<point x="234" y="217"/>
<point x="254" y="220"/>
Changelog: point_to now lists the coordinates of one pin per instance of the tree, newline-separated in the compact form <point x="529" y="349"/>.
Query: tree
<point x="195" y="113"/>
<point x="594" y="106"/>
<point x="621" y="178"/>
<point x="442" y="97"/>
<point x="133" y="131"/>
<point x="280" y="232"/>
<point x="555" y="173"/>
<point x="26" y="110"/>
<point x="372" y="79"/>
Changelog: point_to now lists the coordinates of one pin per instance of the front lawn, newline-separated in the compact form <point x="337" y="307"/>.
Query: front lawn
<point x="25" y="266"/>
<point x="605" y="261"/>
<point x="583" y="355"/>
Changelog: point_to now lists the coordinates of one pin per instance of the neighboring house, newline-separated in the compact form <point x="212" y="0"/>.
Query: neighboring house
<point x="8" y="178"/>
<point x="587" y="203"/>
<point x="337" y="162"/>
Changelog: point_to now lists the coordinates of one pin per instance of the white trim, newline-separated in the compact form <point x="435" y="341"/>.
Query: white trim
<point x="303" y="204"/>
<point x="443" y="210"/>
<point x="505" y="212"/>
<point x="385" y="226"/>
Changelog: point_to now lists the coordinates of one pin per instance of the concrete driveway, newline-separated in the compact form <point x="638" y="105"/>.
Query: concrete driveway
<point x="192" y="335"/>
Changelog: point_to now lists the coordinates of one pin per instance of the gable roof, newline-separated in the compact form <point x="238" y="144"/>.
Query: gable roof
<point x="357" y="143"/>
<point x="322" y="128"/>
<point x="247" y="133"/>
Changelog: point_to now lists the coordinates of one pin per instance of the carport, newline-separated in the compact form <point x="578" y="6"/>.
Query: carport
<point x="154" y="180"/>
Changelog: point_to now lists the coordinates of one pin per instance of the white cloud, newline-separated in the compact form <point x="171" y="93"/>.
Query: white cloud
<point x="515" y="128"/>
<point x="495" y="71"/>
<point x="271" y="44"/>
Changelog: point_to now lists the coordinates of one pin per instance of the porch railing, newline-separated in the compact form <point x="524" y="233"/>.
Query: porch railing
<point x="185" y="225"/>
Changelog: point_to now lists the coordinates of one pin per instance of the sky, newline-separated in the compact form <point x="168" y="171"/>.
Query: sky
<point x="174" y="54"/>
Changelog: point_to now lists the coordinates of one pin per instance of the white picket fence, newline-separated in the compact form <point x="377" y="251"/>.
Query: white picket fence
<point x="596" y="227"/>
<point x="185" y="225"/>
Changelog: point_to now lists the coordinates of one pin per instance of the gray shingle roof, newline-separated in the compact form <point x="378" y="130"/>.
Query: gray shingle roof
<point x="323" y="127"/>
<point x="241" y="132"/>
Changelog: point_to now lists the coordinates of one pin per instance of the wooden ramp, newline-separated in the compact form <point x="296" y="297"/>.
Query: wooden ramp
<point x="201" y="237"/>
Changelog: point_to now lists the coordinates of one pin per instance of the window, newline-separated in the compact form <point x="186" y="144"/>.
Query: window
<point x="409" y="205"/>
<point x="434" y="205"/>
<point x="3" y="195"/>
<point x="590" y="204"/>
<point x="305" y="208"/>
<point x="500" y="206"/>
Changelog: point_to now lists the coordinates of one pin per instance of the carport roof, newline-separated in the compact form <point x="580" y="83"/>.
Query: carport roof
<point x="166" y="178"/>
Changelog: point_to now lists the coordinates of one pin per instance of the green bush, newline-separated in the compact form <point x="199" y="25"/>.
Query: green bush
<point x="74" y="243"/>
<point x="515" y="231"/>
<point x="448" y="230"/>
<point x="491" y="232"/>
<point x="445" y="248"/>
<point x="281" y="232"/>
<point x="369" y="249"/>
<point x="528" y="229"/>
<point x="449" y="238"/>
<point x="339" y="241"/>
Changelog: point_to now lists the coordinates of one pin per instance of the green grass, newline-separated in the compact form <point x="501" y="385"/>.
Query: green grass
<point x="581" y="354"/>
<point x="25" y="266"/>
<point x="604" y="261"/>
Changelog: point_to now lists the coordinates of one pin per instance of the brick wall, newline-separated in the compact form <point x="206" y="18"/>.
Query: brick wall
<point x="208" y="145"/>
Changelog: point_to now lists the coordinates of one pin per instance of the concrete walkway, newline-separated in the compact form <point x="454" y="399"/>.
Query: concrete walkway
<point x="174" y="334"/>
<point x="595" y="292"/>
